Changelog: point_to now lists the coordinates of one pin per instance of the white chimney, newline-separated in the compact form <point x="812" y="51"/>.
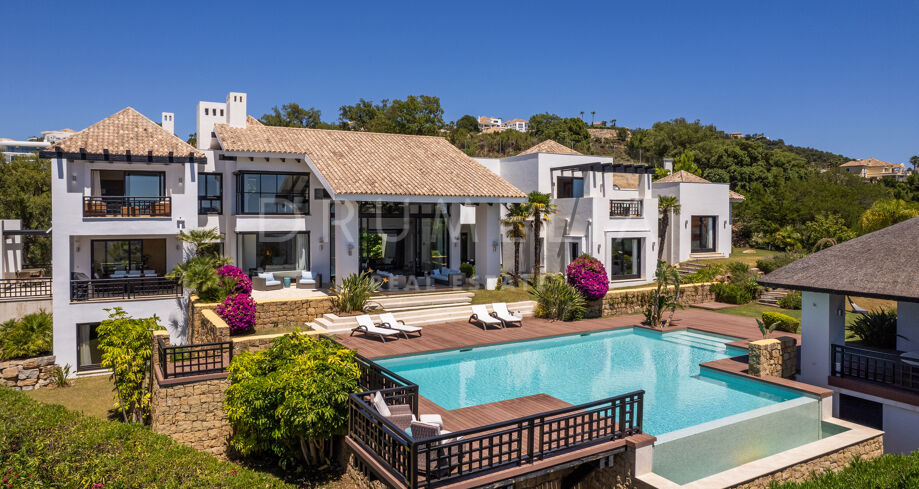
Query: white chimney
<point x="668" y="164"/>
<point x="208" y="114"/>
<point x="236" y="109"/>
<point x="169" y="123"/>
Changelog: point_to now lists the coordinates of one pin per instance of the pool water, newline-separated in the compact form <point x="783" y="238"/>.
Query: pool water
<point x="582" y="368"/>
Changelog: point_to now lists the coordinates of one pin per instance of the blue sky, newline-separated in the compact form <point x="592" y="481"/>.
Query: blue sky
<point x="840" y="76"/>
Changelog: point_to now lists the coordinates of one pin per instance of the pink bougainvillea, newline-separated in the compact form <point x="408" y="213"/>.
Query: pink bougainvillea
<point x="587" y="274"/>
<point x="239" y="312"/>
<point x="243" y="282"/>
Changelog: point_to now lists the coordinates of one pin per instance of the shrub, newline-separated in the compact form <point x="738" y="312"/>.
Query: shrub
<point x="786" y="323"/>
<point x="730" y="293"/>
<point x="587" y="274"/>
<point x="355" y="291"/>
<point x="239" y="312"/>
<point x="234" y="280"/>
<point x="885" y="472"/>
<point x="125" y="345"/>
<point x="556" y="299"/>
<point x="468" y="269"/>
<point x="877" y="328"/>
<point x="792" y="300"/>
<point x="291" y="399"/>
<point x="44" y="445"/>
<point x="708" y="273"/>
<point x="30" y="336"/>
<point x="774" y="262"/>
<point x="659" y="301"/>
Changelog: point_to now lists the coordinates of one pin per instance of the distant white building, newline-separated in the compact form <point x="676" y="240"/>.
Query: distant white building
<point x="57" y="136"/>
<point x="11" y="148"/>
<point x="497" y="124"/>
<point x="486" y="122"/>
<point x="517" y="125"/>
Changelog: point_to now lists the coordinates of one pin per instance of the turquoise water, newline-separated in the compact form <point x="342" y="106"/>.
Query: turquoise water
<point x="584" y="368"/>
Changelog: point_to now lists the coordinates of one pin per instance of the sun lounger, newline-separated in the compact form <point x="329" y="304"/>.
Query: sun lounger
<point x="480" y="315"/>
<point x="365" y="325"/>
<point x="855" y="308"/>
<point x="910" y="358"/>
<point x="401" y="414"/>
<point x="387" y="320"/>
<point x="505" y="316"/>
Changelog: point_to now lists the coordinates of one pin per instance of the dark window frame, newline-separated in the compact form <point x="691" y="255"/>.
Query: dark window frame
<point x="92" y="253"/>
<point x="91" y="366"/>
<point x="568" y="184"/>
<point x="241" y="194"/>
<point x="269" y="234"/>
<point x="638" y="250"/>
<point x="207" y="198"/>
<point x="692" y="229"/>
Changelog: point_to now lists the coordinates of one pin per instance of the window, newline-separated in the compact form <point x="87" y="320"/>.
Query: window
<point x="273" y="252"/>
<point x="702" y="238"/>
<point x="221" y="112"/>
<point x="88" y="354"/>
<point x="625" y="258"/>
<point x="273" y="193"/>
<point x="210" y="193"/>
<point x="569" y="187"/>
<point x="115" y="258"/>
<point x="205" y="111"/>
<point x="117" y="183"/>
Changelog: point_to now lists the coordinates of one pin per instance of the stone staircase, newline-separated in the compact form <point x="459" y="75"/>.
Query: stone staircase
<point x="432" y="314"/>
<point x="771" y="297"/>
<point x="689" y="268"/>
<point x="410" y="302"/>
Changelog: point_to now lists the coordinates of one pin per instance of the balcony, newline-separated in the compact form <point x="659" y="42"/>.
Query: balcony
<point x="124" y="206"/>
<point x="883" y="369"/>
<point x="113" y="289"/>
<point x="625" y="208"/>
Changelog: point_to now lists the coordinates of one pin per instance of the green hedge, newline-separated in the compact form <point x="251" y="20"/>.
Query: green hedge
<point x="50" y="446"/>
<point x="730" y="293"/>
<point x="885" y="472"/>
<point x="787" y="323"/>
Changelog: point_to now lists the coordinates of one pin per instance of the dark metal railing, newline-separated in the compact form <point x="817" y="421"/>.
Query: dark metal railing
<point x="873" y="366"/>
<point x="451" y="457"/>
<point x="123" y="288"/>
<point x="204" y="358"/>
<point x="18" y="288"/>
<point x="625" y="208"/>
<point x="123" y="206"/>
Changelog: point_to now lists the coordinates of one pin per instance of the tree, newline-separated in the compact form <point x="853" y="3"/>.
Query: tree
<point x="660" y="301"/>
<point x="192" y="140"/>
<point x="468" y="123"/>
<point x="592" y="114"/>
<point x="292" y="115"/>
<point x="125" y="345"/>
<point x="571" y="131"/>
<point x="291" y="400"/>
<point x="25" y="194"/>
<point x="201" y="240"/>
<point x="417" y="114"/>
<point x="541" y="207"/>
<point x="914" y="160"/>
<point x="885" y="213"/>
<point x="515" y="222"/>
<point x="666" y="206"/>
<point x="686" y="162"/>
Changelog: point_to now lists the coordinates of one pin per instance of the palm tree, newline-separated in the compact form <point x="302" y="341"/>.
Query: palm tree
<point x="914" y="160"/>
<point x="200" y="238"/>
<point x="516" y="223"/>
<point x="582" y="115"/>
<point x="592" y="114"/>
<point x="885" y="213"/>
<point x="541" y="207"/>
<point x="666" y="205"/>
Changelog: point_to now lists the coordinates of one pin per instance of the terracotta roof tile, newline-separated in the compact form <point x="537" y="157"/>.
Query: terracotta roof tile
<point x="867" y="162"/>
<point x="124" y="132"/>
<point x="682" y="176"/>
<point x="732" y="195"/>
<point x="355" y="162"/>
<point x="550" y="146"/>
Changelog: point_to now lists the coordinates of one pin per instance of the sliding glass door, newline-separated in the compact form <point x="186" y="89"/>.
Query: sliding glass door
<point x="703" y="234"/>
<point x="409" y="239"/>
<point x="273" y="252"/>
<point x="625" y="258"/>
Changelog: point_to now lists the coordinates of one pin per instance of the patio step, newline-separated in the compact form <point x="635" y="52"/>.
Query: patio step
<point x="420" y="317"/>
<point x="408" y="302"/>
<point x="772" y="297"/>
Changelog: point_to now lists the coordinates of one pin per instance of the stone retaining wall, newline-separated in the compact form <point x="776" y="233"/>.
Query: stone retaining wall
<point x="834" y="461"/>
<point x="632" y="301"/>
<point x="269" y="314"/>
<point x="29" y="373"/>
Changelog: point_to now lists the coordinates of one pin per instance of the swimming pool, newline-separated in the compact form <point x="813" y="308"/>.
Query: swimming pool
<point x="582" y="368"/>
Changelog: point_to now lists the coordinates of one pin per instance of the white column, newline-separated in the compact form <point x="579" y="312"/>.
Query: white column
<point x="907" y="326"/>
<point x="454" y="226"/>
<point x="823" y="323"/>
<point x="487" y="244"/>
<point x="347" y="247"/>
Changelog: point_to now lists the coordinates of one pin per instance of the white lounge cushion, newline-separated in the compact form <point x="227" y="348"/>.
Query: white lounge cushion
<point x="910" y="358"/>
<point x="268" y="276"/>
<point x="364" y="321"/>
<point x="307" y="281"/>
<point x="391" y="322"/>
<point x="272" y="282"/>
<point x="306" y="275"/>
<point x="380" y="405"/>
<point x="501" y="311"/>
<point x="433" y="419"/>
<point x="482" y="314"/>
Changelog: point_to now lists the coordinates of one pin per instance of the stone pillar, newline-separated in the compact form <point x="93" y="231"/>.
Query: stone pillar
<point x="347" y="246"/>
<point x="487" y="244"/>
<point x="907" y="326"/>
<point x="823" y="323"/>
<point x="765" y="358"/>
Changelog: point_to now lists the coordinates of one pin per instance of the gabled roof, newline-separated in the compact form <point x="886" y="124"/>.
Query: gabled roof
<point x="735" y="196"/>
<point x="514" y="120"/>
<point x="125" y="136"/>
<point x="881" y="264"/>
<point x="550" y="146"/>
<point x="866" y="162"/>
<point x="252" y="121"/>
<point x="682" y="176"/>
<point x="371" y="163"/>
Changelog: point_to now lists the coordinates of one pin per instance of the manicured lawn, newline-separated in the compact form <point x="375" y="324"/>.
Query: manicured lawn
<point x="508" y="293"/>
<point x="754" y="310"/>
<point x="885" y="472"/>
<point x="92" y="396"/>
<point x="749" y="258"/>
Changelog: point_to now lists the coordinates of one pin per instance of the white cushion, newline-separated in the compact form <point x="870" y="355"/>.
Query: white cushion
<point x="268" y="276"/>
<point x="272" y="282"/>
<point x="380" y="405"/>
<point x="434" y="419"/>
<point x="307" y="281"/>
<point x="306" y="275"/>
<point x="910" y="358"/>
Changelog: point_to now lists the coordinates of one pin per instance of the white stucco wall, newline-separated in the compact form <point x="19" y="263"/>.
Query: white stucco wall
<point x="907" y="326"/>
<point x="822" y="325"/>
<point x="696" y="199"/>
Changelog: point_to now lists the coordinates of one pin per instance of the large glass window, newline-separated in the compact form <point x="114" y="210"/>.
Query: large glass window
<point x="117" y="183"/>
<point x="408" y="239"/>
<point x="274" y="193"/>
<point x="119" y="257"/>
<point x="88" y="354"/>
<point x="702" y="234"/>
<point x="569" y="187"/>
<point x="210" y="193"/>
<point x="273" y="252"/>
<point x="625" y="258"/>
